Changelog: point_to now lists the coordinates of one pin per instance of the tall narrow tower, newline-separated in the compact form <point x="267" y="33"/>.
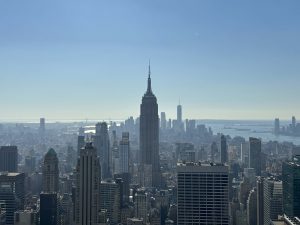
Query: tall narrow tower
<point x="149" y="134"/>
<point x="87" y="204"/>
<point x="102" y="145"/>
<point x="179" y="113"/>
<point x="50" y="172"/>
<point x="224" y="154"/>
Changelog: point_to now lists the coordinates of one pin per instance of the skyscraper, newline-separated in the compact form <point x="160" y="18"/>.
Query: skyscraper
<point x="179" y="114"/>
<point x="141" y="205"/>
<point x="80" y="140"/>
<point x="213" y="151"/>
<point x="178" y="123"/>
<point x="124" y="153"/>
<point x="202" y="194"/>
<point x="272" y="200"/>
<point x="291" y="188"/>
<point x="251" y="208"/>
<point x="255" y="155"/>
<point x="260" y="201"/>
<point x="88" y="181"/>
<point x="9" y="159"/>
<point x="277" y="126"/>
<point x="48" y="209"/>
<point x="42" y="125"/>
<point x="224" y="154"/>
<point x="102" y="145"/>
<point x="163" y="121"/>
<point x="149" y="134"/>
<point x="12" y="193"/>
<point x="110" y="199"/>
<point x="294" y="123"/>
<point x="50" y="172"/>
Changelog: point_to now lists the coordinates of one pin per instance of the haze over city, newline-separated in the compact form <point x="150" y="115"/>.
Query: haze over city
<point x="75" y="60"/>
<point x="139" y="112"/>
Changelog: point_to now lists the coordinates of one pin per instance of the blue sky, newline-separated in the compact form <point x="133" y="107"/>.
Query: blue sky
<point x="88" y="59"/>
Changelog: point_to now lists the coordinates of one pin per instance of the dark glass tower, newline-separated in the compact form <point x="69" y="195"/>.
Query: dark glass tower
<point x="255" y="155"/>
<point x="149" y="134"/>
<point x="291" y="187"/>
<point x="224" y="155"/>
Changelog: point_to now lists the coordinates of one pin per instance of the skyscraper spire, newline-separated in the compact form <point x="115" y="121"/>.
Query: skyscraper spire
<point x="149" y="90"/>
<point x="149" y="70"/>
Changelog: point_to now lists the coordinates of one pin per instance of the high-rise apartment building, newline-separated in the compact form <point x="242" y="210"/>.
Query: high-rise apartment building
<point x="202" y="194"/>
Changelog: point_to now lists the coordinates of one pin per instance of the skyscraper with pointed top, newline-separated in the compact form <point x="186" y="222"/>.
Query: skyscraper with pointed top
<point x="149" y="133"/>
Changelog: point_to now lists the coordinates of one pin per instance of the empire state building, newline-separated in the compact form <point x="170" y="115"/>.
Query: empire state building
<point x="149" y="135"/>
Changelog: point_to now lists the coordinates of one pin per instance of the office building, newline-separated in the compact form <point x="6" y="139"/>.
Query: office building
<point x="101" y="143"/>
<point x="260" y="201"/>
<point x="163" y="121"/>
<point x="179" y="113"/>
<point x="149" y="134"/>
<point x="42" y="127"/>
<point x="272" y="200"/>
<point x="224" y="153"/>
<point x="80" y="140"/>
<point x="26" y="217"/>
<point x="88" y="181"/>
<point x="213" y="152"/>
<point x="48" y="209"/>
<point x="291" y="187"/>
<point x="255" y="155"/>
<point x="202" y="194"/>
<point x="2" y="215"/>
<point x="9" y="159"/>
<point x="50" y="172"/>
<point x="124" y="151"/>
<point x="126" y="180"/>
<point x="185" y="152"/>
<point x="251" y="207"/>
<point x="110" y="200"/>
<point x="141" y="205"/>
<point x="8" y="202"/>
<point x="245" y="153"/>
<point x="16" y="182"/>
<point x="277" y="126"/>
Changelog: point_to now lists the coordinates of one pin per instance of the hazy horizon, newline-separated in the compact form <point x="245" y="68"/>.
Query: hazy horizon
<point x="89" y="59"/>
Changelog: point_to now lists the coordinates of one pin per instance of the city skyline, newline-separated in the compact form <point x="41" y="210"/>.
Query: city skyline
<point x="224" y="61"/>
